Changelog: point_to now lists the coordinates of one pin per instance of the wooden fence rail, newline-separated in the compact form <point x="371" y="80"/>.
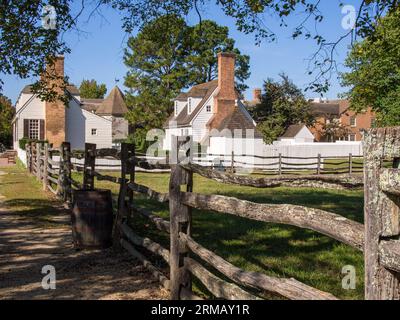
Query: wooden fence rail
<point x="186" y="258"/>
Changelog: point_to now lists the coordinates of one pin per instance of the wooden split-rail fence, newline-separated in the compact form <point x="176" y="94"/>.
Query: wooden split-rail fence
<point x="378" y="238"/>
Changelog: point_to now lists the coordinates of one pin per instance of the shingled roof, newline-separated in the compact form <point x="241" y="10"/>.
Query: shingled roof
<point x="237" y="120"/>
<point x="293" y="130"/>
<point x="114" y="104"/>
<point x="71" y="88"/>
<point x="325" y="108"/>
<point x="204" y="91"/>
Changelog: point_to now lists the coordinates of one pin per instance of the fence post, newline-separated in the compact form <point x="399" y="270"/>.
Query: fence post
<point x="27" y="157"/>
<point x="233" y="162"/>
<point x="89" y="166"/>
<point x="31" y="156"/>
<point x="280" y="164"/>
<point x="319" y="164"/>
<point x="65" y="172"/>
<point x="381" y="212"/>
<point x="350" y="163"/>
<point x="38" y="158"/>
<point x="45" y="165"/>
<point x="181" y="220"/>
<point x="127" y="167"/>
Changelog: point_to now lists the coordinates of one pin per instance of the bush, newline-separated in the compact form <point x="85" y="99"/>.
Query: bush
<point x="24" y="141"/>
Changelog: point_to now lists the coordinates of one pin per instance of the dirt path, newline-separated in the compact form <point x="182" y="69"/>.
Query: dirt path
<point x="25" y="247"/>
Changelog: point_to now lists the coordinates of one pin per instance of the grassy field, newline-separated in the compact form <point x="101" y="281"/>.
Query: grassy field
<point x="23" y="195"/>
<point x="278" y="250"/>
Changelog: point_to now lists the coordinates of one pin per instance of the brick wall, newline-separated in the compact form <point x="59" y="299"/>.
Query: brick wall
<point x="55" y="111"/>
<point x="224" y="101"/>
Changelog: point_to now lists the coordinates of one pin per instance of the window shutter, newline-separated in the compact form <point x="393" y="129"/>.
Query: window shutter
<point x="42" y="129"/>
<point x="26" y="128"/>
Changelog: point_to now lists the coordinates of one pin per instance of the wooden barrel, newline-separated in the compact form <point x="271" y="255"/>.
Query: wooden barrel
<point x="92" y="218"/>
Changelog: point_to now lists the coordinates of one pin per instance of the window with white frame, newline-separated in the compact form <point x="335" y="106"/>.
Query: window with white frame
<point x="352" y="137"/>
<point x="34" y="129"/>
<point x="208" y="108"/>
<point x="94" y="132"/>
<point x="353" y="121"/>
<point x="176" y="108"/>
<point x="189" y="105"/>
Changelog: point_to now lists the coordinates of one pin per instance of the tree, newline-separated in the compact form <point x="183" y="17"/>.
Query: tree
<point x="375" y="72"/>
<point x="167" y="56"/>
<point x="25" y="43"/>
<point x="7" y="112"/>
<point x="207" y="40"/>
<point x="156" y="62"/>
<point x="282" y="104"/>
<point x="30" y="33"/>
<point x="89" y="89"/>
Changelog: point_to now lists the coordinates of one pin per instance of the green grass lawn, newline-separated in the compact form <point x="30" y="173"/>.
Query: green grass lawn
<point x="25" y="198"/>
<point x="277" y="250"/>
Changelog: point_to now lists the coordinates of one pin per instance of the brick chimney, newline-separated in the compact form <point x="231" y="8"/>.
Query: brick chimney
<point x="55" y="111"/>
<point x="224" y="101"/>
<point x="257" y="95"/>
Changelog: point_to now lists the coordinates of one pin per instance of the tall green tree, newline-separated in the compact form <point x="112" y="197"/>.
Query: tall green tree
<point x="167" y="56"/>
<point x="7" y="112"/>
<point x="89" y="89"/>
<point x="282" y="104"/>
<point x="374" y="79"/>
<point x="207" y="39"/>
<point x="156" y="72"/>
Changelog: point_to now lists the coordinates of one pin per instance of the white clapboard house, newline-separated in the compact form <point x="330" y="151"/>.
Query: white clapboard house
<point x="99" y="121"/>
<point x="211" y="110"/>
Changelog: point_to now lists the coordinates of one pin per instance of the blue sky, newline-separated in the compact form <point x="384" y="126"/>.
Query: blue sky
<point x="97" y="51"/>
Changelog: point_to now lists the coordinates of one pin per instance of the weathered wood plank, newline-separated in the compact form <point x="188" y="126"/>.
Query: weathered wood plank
<point x="112" y="153"/>
<point x="145" y="243"/>
<point x="289" y="288"/>
<point x="307" y="181"/>
<point x="389" y="254"/>
<point x="89" y="166"/>
<point x="153" y="270"/>
<point x="180" y="221"/>
<point x="160" y="223"/>
<point x="103" y="177"/>
<point x="151" y="194"/>
<point x="380" y="283"/>
<point x="327" y="223"/>
<point x="148" y="164"/>
<point x="218" y="287"/>
<point x="390" y="180"/>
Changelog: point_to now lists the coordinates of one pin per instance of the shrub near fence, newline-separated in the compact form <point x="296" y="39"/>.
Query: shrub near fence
<point x="379" y="238"/>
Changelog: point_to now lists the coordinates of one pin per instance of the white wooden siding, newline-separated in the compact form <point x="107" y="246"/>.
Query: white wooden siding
<point x="33" y="110"/>
<point x="80" y="124"/>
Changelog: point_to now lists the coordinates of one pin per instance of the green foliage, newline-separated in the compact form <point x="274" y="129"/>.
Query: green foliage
<point x="24" y="141"/>
<point x="282" y="105"/>
<point x="24" y="43"/>
<point x="166" y="56"/>
<point x="207" y="40"/>
<point x="89" y="89"/>
<point x="375" y="72"/>
<point x="7" y="112"/>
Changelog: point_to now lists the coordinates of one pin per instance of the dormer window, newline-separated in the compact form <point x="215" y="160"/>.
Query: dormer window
<point x="208" y="108"/>
<point x="176" y="108"/>
<point x="189" y="105"/>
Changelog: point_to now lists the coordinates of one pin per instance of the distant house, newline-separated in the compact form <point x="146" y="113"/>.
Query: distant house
<point x="211" y="109"/>
<point x="83" y="120"/>
<point x="326" y="112"/>
<point x="296" y="133"/>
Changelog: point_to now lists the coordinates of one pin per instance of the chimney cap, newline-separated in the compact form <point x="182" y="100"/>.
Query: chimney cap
<point x="226" y="54"/>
